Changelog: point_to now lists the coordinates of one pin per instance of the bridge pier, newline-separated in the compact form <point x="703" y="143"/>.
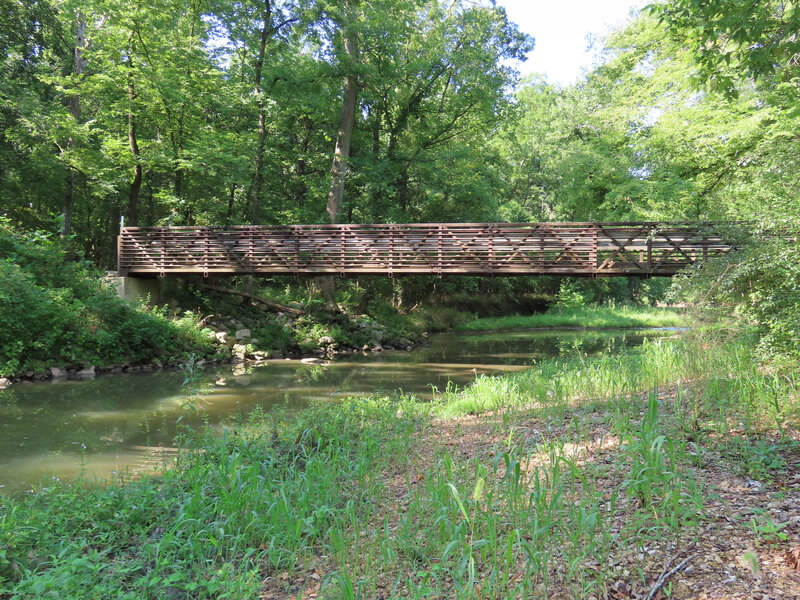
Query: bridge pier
<point x="152" y="290"/>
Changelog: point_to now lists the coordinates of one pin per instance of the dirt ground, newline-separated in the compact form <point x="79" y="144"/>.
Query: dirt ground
<point x="732" y="554"/>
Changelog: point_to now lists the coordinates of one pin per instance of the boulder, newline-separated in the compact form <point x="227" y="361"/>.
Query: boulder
<point x="4" y="383"/>
<point x="326" y="340"/>
<point x="86" y="373"/>
<point x="312" y="361"/>
<point x="239" y="351"/>
<point x="242" y="334"/>
<point x="377" y="336"/>
<point x="56" y="373"/>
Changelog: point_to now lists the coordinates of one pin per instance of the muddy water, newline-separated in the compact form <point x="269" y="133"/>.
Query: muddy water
<point x="118" y="424"/>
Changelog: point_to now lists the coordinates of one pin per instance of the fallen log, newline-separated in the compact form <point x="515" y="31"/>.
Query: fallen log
<point x="273" y="306"/>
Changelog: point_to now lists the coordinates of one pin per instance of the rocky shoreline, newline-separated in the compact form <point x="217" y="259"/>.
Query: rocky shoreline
<point x="234" y="344"/>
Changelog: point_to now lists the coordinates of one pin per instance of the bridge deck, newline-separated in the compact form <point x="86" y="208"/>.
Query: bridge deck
<point x="588" y="249"/>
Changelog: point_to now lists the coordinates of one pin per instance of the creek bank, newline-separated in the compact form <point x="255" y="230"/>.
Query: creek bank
<point x="235" y="341"/>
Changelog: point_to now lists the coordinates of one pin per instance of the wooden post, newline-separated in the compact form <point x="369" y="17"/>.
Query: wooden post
<point x="119" y="254"/>
<point x="296" y="235"/>
<point x="163" y="251"/>
<point x="541" y="249"/>
<point x="391" y="249"/>
<point x="342" y="251"/>
<point x="593" y="252"/>
<point x="491" y="248"/>
<point x="206" y="231"/>
<point x="439" y="253"/>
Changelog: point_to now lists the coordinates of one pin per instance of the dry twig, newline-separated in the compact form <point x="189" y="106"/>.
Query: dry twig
<point x="665" y="574"/>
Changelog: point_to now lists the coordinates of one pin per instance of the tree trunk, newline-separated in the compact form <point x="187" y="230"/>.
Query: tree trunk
<point x="136" y="184"/>
<point x="78" y="67"/>
<point x="231" y="199"/>
<point x="342" y="151"/>
<point x="327" y="285"/>
<point x="258" y="179"/>
<point x="273" y="306"/>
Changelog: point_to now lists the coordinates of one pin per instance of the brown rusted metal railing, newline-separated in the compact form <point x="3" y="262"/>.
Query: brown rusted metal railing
<point x="587" y="249"/>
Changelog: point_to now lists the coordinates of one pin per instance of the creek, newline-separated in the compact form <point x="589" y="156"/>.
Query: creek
<point x="117" y="425"/>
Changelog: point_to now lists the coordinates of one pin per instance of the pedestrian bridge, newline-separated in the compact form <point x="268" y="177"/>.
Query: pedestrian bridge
<point x="623" y="249"/>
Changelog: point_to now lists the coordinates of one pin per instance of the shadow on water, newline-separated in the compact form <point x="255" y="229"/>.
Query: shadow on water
<point x="122" y="423"/>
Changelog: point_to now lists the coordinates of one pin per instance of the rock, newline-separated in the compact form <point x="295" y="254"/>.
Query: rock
<point x="326" y="340"/>
<point x="377" y="348"/>
<point x="239" y="370"/>
<point x="239" y="351"/>
<point x="254" y="341"/>
<point x="4" y="383"/>
<point x="377" y="336"/>
<point x="158" y="364"/>
<point x="86" y="373"/>
<point x="222" y="337"/>
<point x="56" y="373"/>
<point x="312" y="361"/>
<point x="242" y="334"/>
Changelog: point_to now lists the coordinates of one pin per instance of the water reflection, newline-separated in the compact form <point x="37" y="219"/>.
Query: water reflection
<point x="122" y="422"/>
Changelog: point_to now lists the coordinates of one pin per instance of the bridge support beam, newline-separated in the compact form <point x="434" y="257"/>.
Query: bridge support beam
<point x="152" y="290"/>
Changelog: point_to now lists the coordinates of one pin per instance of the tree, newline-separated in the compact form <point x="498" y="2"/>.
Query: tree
<point x="730" y="40"/>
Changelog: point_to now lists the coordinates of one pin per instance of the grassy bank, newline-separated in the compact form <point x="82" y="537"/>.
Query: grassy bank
<point x="584" y="317"/>
<point x="578" y="478"/>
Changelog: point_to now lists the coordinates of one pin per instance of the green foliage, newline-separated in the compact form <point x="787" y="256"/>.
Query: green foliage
<point x="759" y="284"/>
<point x="760" y="459"/>
<point x="57" y="311"/>
<point x="588" y="317"/>
<point x="729" y="39"/>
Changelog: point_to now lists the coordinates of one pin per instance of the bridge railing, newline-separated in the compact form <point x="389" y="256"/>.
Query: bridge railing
<point x="590" y="249"/>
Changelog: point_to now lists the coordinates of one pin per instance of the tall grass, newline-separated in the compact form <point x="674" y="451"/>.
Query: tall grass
<point x="584" y="317"/>
<point x="207" y="527"/>
<point x="722" y="377"/>
<point x="538" y="513"/>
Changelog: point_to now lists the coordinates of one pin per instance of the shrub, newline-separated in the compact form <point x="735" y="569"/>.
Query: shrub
<point x="55" y="309"/>
<point x="759" y="284"/>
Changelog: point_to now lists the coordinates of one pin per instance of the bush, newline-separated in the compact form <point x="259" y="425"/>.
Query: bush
<point x="759" y="284"/>
<point x="56" y="310"/>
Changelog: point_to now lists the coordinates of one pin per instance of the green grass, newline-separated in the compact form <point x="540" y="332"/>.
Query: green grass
<point x="206" y="528"/>
<point x="584" y="317"/>
<point x="533" y="517"/>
